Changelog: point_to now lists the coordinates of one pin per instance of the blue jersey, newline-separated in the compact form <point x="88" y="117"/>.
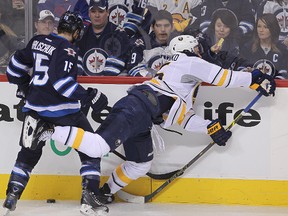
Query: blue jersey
<point x="53" y="90"/>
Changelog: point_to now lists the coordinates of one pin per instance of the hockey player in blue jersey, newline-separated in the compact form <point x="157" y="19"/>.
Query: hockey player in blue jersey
<point x="53" y="94"/>
<point x="166" y="99"/>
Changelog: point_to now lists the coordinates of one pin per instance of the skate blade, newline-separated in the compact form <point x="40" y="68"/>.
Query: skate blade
<point x="89" y="211"/>
<point x="6" y="212"/>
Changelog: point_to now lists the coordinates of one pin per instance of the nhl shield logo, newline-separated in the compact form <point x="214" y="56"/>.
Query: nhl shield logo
<point x="266" y="66"/>
<point x="94" y="61"/>
<point x="118" y="14"/>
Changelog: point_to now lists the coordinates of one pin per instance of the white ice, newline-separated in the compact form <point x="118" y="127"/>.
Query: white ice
<point x="71" y="208"/>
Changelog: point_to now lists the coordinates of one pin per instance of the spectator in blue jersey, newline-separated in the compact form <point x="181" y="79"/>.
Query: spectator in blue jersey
<point x="224" y="26"/>
<point x="103" y="49"/>
<point x="243" y="10"/>
<point x="52" y="93"/>
<point x="45" y="23"/>
<point x="154" y="53"/>
<point x="280" y="9"/>
<point x="265" y="52"/>
<point x="117" y="8"/>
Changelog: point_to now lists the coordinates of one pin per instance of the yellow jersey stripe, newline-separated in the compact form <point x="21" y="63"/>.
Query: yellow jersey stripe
<point x="254" y="86"/>
<point x="223" y="78"/>
<point x="78" y="138"/>
<point x="122" y="176"/>
<point x="182" y="114"/>
<point x="154" y="81"/>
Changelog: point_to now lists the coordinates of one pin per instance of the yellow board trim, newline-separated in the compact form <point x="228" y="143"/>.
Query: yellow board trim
<point x="182" y="190"/>
<point x="78" y="138"/>
<point x="223" y="78"/>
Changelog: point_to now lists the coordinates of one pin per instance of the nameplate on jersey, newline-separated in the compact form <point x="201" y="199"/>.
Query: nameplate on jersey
<point x="43" y="47"/>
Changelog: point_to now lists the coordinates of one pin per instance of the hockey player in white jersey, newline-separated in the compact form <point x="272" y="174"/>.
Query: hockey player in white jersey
<point x="166" y="99"/>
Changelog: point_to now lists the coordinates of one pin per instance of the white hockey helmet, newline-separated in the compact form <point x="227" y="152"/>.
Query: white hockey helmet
<point x="183" y="42"/>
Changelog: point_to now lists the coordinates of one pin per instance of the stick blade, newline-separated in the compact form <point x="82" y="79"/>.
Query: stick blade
<point x="130" y="197"/>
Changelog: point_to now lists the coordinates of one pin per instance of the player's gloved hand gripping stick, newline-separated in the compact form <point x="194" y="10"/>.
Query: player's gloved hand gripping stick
<point x="144" y="199"/>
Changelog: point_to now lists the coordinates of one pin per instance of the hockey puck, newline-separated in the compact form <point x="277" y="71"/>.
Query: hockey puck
<point x="50" y="200"/>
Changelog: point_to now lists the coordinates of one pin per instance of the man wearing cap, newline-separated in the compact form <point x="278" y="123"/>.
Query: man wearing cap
<point x="103" y="48"/>
<point x="45" y="23"/>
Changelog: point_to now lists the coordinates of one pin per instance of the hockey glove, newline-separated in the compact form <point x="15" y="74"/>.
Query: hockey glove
<point x="218" y="134"/>
<point x="22" y="91"/>
<point x="263" y="83"/>
<point x="97" y="100"/>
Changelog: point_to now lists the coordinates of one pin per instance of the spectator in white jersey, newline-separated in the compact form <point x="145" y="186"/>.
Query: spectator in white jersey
<point x="166" y="99"/>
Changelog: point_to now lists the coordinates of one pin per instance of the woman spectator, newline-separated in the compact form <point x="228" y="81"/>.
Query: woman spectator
<point x="265" y="52"/>
<point x="280" y="9"/>
<point x="224" y="26"/>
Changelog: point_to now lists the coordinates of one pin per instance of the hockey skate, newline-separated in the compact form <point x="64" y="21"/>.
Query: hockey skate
<point x="44" y="131"/>
<point x="11" y="199"/>
<point x="105" y="195"/>
<point x="91" y="205"/>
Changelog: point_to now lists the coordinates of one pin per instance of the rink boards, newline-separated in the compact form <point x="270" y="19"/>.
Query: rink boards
<point x="251" y="169"/>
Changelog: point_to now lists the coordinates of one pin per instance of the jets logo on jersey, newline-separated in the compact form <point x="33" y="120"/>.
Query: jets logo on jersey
<point x="117" y="14"/>
<point x="70" y="52"/>
<point x="112" y="44"/>
<point x="94" y="61"/>
<point x="156" y="62"/>
<point x="265" y="66"/>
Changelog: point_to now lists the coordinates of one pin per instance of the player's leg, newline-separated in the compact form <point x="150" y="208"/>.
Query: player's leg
<point x="90" y="168"/>
<point x="20" y="175"/>
<point x="139" y="154"/>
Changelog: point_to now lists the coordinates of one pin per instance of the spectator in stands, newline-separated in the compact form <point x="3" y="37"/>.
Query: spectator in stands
<point x="180" y="10"/>
<point x="156" y="51"/>
<point x="8" y="45"/>
<point x="45" y="23"/>
<point x="243" y="10"/>
<point x="117" y="10"/>
<point x="265" y="52"/>
<point x="224" y="26"/>
<point x="103" y="49"/>
<point x="13" y="15"/>
<point x="57" y="7"/>
<point x="280" y="9"/>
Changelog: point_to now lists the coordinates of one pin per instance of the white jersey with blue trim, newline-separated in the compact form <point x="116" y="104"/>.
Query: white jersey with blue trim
<point x="180" y="79"/>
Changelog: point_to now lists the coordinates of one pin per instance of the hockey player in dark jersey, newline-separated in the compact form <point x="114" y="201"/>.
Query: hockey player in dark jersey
<point x="52" y="94"/>
<point x="167" y="99"/>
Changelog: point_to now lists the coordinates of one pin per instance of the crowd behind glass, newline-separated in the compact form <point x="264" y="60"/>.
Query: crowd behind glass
<point x="240" y="35"/>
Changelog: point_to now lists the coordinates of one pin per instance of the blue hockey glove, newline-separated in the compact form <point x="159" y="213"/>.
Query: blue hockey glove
<point x="263" y="83"/>
<point x="218" y="134"/>
<point x="97" y="100"/>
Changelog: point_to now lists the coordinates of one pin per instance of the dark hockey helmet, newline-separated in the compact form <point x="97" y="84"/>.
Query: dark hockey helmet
<point x="71" y="22"/>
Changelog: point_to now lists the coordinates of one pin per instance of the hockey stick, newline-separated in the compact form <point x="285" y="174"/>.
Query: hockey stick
<point x="144" y="199"/>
